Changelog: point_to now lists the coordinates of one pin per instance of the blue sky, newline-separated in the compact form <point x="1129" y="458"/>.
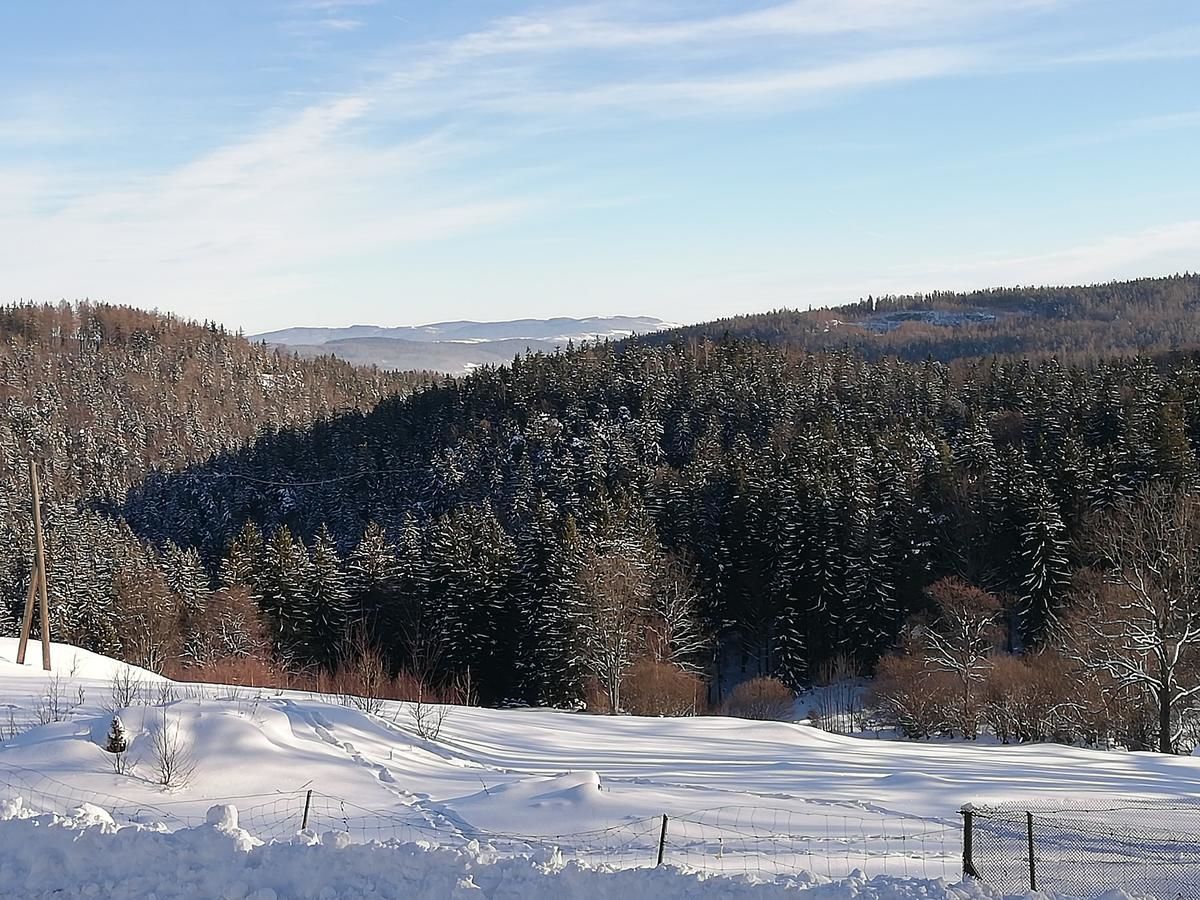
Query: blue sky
<point x="327" y="162"/>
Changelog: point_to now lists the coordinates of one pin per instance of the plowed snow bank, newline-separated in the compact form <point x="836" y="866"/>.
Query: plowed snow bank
<point x="85" y="855"/>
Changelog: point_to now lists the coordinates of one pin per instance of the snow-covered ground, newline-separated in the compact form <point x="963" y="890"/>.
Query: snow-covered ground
<point x="764" y="799"/>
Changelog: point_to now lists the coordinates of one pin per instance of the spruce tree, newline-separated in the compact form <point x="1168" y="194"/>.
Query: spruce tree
<point x="328" y="602"/>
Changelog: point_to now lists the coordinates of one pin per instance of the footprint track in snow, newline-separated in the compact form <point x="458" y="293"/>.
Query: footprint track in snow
<point x="419" y="803"/>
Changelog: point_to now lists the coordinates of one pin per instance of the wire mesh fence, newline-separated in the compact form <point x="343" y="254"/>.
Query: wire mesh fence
<point x="1148" y="847"/>
<point x="1143" y="846"/>
<point x="759" y="840"/>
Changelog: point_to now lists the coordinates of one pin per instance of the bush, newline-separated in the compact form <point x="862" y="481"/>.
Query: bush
<point x="837" y="697"/>
<point x="659" y="688"/>
<point x="1031" y="698"/>
<point x="244" y="671"/>
<point x="761" y="698"/>
<point x="917" y="702"/>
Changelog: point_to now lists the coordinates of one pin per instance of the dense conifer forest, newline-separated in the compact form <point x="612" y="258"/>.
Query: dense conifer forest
<point x="770" y="500"/>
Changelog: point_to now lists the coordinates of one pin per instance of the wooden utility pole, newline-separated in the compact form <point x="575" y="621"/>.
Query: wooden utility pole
<point x="37" y="580"/>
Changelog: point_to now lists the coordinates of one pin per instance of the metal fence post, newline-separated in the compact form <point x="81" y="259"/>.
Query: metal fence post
<point x="1032" y="866"/>
<point x="968" y="864"/>
<point x="662" y="841"/>
<point x="307" y="804"/>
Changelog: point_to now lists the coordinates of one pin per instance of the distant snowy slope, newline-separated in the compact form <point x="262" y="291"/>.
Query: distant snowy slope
<point x="556" y="329"/>
<point x="454" y="347"/>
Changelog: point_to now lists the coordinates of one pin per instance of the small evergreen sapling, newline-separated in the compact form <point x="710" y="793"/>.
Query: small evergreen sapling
<point x="118" y="737"/>
<point x="117" y="743"/>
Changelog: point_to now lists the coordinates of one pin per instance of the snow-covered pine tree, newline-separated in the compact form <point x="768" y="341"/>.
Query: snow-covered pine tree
<point x="371" y="572"/>
<point x="1047" y="572"/>
<point x="284" y="583"/>
<point x="244" y="560"/>
<point x="117" y="740"/>
<point x="328" y="603"/>
<point x="185" y="576"/>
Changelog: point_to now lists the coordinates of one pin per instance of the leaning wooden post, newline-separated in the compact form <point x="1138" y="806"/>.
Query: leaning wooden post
<point x="662" y="841"/>
<point x="37" y="579"/>
<point x="27" y="620"/>
<point x="307" y="804"/>
<point x="44" y="606"/>
<point x="968" y="862"/>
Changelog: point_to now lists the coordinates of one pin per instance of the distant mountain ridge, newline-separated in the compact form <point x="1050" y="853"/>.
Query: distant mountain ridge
<point x="454" y="347"/>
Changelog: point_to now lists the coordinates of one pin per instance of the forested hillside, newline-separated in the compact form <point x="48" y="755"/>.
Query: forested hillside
<point x="1151" y="315"/>
<point x="103" y="394"/>
<point x="787" y="508"/>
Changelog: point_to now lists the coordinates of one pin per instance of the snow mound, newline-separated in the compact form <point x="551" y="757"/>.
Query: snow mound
<point x="223" y="816"/>
<point x="539" y="806"/>
<point x="573" y="789"/>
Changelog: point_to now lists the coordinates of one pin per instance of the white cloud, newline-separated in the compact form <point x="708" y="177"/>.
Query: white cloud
<point x="342" y="24"/>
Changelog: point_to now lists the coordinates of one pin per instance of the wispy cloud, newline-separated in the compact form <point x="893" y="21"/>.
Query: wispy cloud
<point x="334" y="24"/>
<point x="1166" y="247"/>
<point x="592" y="27"/>
<point x="1182" y="43"/>
<point x="248" y="222"/>
<point x="331" y="6"/>
<point x="743" y="90"/>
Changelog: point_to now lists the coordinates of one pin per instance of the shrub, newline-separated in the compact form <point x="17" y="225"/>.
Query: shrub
<point x="760" y="698"/>
<point x="659" y="688"/>
<point x="837" y="697"/>
<point x="245" y="671"/>
<point x="916" y="701"/>
<point x="170" y="759"/>
<point x="1031" y="698"/>
<point x="117" y="743"/>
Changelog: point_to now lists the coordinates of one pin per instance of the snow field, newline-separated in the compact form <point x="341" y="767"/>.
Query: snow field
<point x="768" y="800"/>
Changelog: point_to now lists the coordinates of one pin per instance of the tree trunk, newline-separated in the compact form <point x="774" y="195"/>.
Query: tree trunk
<point x="1165" y="744"/>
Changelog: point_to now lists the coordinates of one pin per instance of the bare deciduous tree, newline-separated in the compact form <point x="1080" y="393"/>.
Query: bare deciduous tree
<point x="170" y="758"/>
<point x="1139" y="623"/>
<point x="960" y="642"/>
<point x="615" y="599"/>
<point x="674" y="633"/>
<point x="362" y="678"/>
<point x="125" y="689"/>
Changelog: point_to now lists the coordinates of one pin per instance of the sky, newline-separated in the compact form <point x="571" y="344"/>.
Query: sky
<point x="270" y="163"/>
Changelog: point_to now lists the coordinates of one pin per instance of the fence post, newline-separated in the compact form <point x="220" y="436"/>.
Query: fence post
<point x="1032" y="867"/>
<point x="662" y="841"/>
<point x="307" y="804"/>
<point x="968" y="863"/>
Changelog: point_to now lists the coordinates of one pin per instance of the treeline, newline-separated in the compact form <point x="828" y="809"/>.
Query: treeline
<point x="1148" y="316"/>
<point x="805" y="501"/>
